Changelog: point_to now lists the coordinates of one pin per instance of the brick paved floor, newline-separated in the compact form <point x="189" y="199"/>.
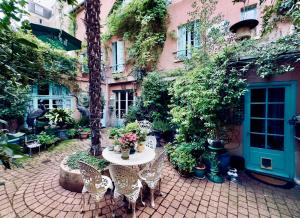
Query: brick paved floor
<point x="33" y="191"/>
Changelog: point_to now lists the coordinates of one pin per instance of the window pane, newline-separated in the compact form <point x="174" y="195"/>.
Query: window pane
<point x="258" y="110"/>
<point x="257" y="141"/>
<point x="43" y="89"/>
<point x="276" y="126"/>
<point x="276" y="142"/>
<point x="123" y="112"/>
<point x="123" y="105"/>
<point x="257" y="126"/>
<point x="276" y="111"/>
<point x="123" y="96"/>
<point x="276" y="95"/>
<point x="130" y="96"/>
<point x="258" y="95"/>
<point x="56" y="103"/>
<point x="43" y="102"/>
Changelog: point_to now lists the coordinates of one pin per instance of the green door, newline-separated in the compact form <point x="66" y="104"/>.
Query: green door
<point x="268" y="137"/>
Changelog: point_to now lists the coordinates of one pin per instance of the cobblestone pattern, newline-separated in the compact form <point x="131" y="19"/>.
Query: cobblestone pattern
<point x="33" y="191"/>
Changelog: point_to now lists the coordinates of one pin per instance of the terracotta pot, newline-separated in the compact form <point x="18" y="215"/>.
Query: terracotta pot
<point x="84" y="135"/>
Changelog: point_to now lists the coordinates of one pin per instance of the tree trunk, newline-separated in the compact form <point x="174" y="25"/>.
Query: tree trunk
<point x="92" y="22"/>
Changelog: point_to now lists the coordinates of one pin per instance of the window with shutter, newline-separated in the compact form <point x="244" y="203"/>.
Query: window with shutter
<point x="118" y="57"/>
<point x="188" y="39"/>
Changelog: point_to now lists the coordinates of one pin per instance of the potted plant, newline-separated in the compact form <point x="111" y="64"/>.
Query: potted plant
<point x="114" y="133"/>
<point x="198" y="148"/>
<point x="84" y="133"/>
<point x="183" y="159"/>
<point x="162" y="130"/>
<point x="60" y="117"/>
<point x="200" y="169"/>
<point x="140" y="142"/>
<point x="127" y="144"/>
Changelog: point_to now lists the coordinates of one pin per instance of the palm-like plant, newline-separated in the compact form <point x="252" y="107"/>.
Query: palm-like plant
<point x="92" y="21"/>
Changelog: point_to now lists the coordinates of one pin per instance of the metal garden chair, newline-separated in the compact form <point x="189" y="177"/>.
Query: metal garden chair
<point x="151" y="174"/>
<point x="94" y="183"/>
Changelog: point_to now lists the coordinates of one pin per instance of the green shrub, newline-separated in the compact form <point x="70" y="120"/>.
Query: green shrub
<point x="84" y="156"/>
<point x="182" y="158"/>
<point x="114" y="133"/>
<point x="136" y="112"/>
<point x="72" y="133"/>
<point x="84" y="122"/>
<point x="46" y="139"/>
<point x="60" y="117"/>
<point x="161" y="126"/>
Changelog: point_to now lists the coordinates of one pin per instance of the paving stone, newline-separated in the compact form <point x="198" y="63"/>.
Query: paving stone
<point x="184" y="197"/>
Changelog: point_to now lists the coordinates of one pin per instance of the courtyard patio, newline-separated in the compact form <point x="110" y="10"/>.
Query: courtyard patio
<point x="34" y="191"/>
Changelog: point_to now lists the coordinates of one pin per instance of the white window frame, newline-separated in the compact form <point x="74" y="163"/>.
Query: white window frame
<point x="118" y="100"/>
<point x="249" y="12"/>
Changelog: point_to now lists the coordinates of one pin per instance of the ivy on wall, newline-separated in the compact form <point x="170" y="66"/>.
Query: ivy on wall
<point x="25" y="60"/>
<point x="143" y="24"/>
<point x="281" y="11"/>
<point x="269" y="59"/>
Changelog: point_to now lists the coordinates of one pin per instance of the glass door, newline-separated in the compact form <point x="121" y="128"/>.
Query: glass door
<point x="269" y="146"/>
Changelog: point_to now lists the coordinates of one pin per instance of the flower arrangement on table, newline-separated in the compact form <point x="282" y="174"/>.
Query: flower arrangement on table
<point x="128" y="139"/>
<point x="127" y="143"/>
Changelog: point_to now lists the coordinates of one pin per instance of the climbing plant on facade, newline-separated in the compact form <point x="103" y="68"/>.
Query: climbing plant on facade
<point x="143" y="24"/>
<point x="280" y="11"/>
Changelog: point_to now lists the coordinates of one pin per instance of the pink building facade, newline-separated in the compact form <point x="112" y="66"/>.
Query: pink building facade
<point x="274" y="153"/>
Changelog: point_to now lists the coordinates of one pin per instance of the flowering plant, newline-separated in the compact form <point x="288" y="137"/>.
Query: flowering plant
<point x="128" y="140"/>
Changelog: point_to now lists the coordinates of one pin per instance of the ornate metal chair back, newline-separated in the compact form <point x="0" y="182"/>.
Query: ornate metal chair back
<point x="92" y="178"/>
<point x="158" y="163"/>
<point x="125" y="179"/>
<point x="145" y="126"/>
<point x="151" y="142"/>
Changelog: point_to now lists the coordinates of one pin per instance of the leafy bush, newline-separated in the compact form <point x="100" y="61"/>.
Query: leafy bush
<point x="114" y="133"/>
<point x="46" y="139"/>
<point x="60" y="117"/>
<point x="204" y="98"/>
<point x="182" y="158"/>
<point x="72" y="133"/>
<point x="155" y="96"/>
<point x="161" y="126"/>
<point x="84" y="156"/>
<point x="136" y="111"/>
<point x="84" y="122"/>
<point x="142" y="22"/>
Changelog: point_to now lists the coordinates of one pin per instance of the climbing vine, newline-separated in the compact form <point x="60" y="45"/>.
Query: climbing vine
<point x="143" y="24"/>
<point x="281" y="11"/>
<point x="269" y="59"/>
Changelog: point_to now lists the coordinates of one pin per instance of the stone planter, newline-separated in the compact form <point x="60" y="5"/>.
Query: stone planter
<point x="70" y="179"/>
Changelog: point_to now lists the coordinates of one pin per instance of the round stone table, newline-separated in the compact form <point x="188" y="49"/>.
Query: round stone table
<point x="138" y="158"/>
